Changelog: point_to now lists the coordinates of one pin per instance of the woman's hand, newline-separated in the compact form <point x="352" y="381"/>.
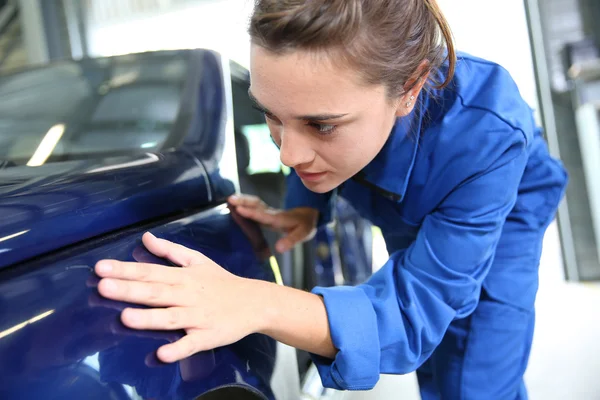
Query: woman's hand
<point x="213" y="306"/>
<point x="298" y="224"/>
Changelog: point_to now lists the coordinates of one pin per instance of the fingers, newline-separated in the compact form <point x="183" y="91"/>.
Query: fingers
<point x="294" y="237"/>
<point x="145" y="293"/>
<point x="133" y="271"/>
<point x="252" y="207"/>
<point x="94" y="300"/>
<point x="187" y="346"/>
<point x="274" y="219"/>
<point x="245" y="200"/>
<point x="141" y="254"/>
<point x="260" y="215"/>
<point x="176" y="253"/>
<point x="159" y="318"/>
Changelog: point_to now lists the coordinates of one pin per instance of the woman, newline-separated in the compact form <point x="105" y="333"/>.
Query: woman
<point x="368" y="100"/>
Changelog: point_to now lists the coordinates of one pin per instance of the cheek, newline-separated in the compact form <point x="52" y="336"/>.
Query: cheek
<point x="352" y="151"/>
<point x="373" y="136"/>
<point x="345" y="154"/>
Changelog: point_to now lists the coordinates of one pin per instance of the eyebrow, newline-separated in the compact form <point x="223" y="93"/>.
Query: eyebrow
<point x="315" y="117"/>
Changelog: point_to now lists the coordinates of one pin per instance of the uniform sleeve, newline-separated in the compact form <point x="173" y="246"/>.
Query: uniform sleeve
<point x="393" y="322"/>
<point x="297" y="195"/>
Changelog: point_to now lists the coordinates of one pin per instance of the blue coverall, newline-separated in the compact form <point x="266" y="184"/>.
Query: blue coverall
<point x="463" y="192"/>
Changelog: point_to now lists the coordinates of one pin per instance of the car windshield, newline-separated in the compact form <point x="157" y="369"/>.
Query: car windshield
<point x="95" y="107"/>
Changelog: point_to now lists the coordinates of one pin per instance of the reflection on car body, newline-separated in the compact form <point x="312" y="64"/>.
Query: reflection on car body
<point x="93" y="153"/>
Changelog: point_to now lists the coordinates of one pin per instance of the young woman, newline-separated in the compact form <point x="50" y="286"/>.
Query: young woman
<point x="368" y="100"/>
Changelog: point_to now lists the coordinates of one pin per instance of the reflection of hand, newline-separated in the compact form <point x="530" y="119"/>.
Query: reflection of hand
<point x="253" y="234"/>
<point x="88" y="333"/>
<point x="193" y="368"/>
<point x="214" y="306"/>
<point x="116" y="328"/>
<point x="298" y="224"/>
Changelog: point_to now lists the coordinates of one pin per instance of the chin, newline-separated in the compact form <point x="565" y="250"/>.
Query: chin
<point x="324" y="186"/>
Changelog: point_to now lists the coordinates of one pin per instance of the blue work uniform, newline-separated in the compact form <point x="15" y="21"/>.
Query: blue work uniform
<point x="463" y="191"/>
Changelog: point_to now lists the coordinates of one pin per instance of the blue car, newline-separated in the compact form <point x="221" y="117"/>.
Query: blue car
<point x="95" y="152"/>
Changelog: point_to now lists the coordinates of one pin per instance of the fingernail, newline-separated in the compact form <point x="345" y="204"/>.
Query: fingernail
<point x="104" y="267"/>
<point x="151" y="235"/>
<point x="109" y="285"/>
<point x="131" y="316"/>
<point x="164" y="354"/>
<point x="234" y="197"/>
<point x="281" y="247"/>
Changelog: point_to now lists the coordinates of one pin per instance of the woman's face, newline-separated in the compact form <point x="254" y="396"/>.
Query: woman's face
<point x="328" y="124"/>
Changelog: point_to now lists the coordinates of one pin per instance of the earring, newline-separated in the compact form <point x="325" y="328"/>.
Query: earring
<point x="408" y="104"/>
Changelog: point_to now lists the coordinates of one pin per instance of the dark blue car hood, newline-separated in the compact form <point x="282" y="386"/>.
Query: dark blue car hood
<point x="60" y="340"/>
<point x="67" y="203"/>
<point x="87" y="192"/>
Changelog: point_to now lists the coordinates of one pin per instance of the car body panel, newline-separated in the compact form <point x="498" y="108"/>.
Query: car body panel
<point x="59" y="337"/>
<point x="79" y="200"/>
<point x="343" y="249"/>
<point x="115" y="177"/>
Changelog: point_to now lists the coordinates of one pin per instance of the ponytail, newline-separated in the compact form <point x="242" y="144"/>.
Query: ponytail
<point x="448" y="39"/>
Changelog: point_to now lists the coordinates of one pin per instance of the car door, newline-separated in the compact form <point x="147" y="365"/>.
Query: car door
<point x="95" y="153"/>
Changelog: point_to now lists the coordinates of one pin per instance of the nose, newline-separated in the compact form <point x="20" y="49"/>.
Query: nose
<point x="295" y="149"/>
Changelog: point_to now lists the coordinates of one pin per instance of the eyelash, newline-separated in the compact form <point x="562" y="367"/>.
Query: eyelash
<point x="329" y="129"/>
<point x="319" y="127"/>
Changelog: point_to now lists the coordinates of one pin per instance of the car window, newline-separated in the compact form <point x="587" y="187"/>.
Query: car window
<point x="256" y="150"/>
<point x="91" y="108"/>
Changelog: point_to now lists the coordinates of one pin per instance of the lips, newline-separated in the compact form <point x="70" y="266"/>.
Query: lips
<point x="311" y="176"/>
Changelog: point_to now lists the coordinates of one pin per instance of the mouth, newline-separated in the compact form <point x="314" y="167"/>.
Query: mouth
<point x="311" y="176"/>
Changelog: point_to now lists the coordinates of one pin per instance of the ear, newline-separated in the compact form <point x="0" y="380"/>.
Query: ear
<point x="412" y="89"/>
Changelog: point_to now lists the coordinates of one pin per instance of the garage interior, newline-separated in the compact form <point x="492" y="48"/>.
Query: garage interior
<point x="551" y="47"/>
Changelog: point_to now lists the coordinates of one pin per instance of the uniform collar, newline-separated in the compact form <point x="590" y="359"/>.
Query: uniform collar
<point x="390" y="171"/>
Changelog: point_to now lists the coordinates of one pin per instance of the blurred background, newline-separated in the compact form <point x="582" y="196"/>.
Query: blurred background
<point x="551" y="48"/>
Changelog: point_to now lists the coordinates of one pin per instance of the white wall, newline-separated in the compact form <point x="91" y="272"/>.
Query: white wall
<point x="208" y="24"/>
<point x="491" y="29"/>
<point x="497" y="31"/>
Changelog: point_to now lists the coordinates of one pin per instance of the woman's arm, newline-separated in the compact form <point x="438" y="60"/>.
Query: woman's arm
<point x="296" y="318"/>
<point x="215" y="307"/>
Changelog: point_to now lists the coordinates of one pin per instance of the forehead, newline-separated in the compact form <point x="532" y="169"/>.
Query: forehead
<point x="306" y="81"/>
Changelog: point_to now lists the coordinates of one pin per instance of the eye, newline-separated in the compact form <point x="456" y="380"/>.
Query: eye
<point x="270" y="117"/>
<point x="323" y="129"/>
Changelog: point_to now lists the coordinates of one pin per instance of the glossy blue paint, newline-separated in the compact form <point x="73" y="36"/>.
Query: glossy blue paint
<point x="61" y="203"/>
<point x="354" y="240"/>
<point x="344" y="249"/>
<point x="45" y="208"/>
<point x="327" y="263"/>
<point x="60" y="340"/>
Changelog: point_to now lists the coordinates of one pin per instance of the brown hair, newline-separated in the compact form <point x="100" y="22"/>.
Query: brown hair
<point x="387" y="40"/>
